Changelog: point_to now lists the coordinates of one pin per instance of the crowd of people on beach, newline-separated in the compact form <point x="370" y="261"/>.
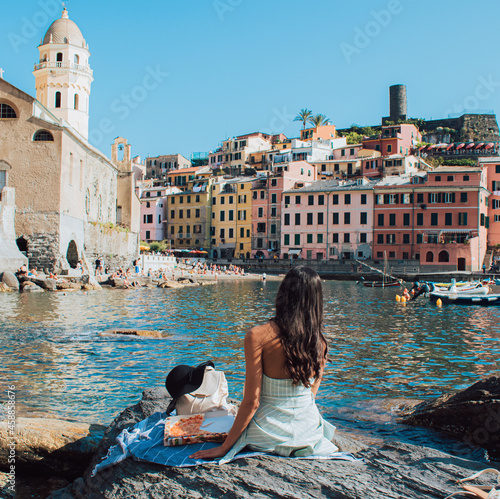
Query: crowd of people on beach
<point x="204" y="268"/>
<point x="183" y="267"/>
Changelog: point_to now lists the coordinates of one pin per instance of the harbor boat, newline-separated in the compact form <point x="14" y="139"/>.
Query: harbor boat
<point x="459" y="284"/>
<point x="475" y="289"/>
<point x="466" y="298"/>
<point x="387" y="279"/>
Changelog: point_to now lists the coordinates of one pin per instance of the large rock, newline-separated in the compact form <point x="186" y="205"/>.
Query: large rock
<point x="91" y="287"/>
<point x="68" y="285"/>
<point x="147" y="333"/>
<point x="472" y="415"/>
<point x="4" y="288"/>
<point x="47" y="284"/>
<point x="7" y="486"/>
<point x="10" y="280"/>
<point x="51" y="445"/>
<point x="391" y="470"/>
<point x="170" y="284"/>
<point x="30" y="287"/>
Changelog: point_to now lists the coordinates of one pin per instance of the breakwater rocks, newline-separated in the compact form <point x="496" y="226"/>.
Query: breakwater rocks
<point x="40" y="283"/>
<point x="391" y="469"/>
<point x="471" y="415"/>
<point x="52" y="446"/>
<point x="30" y="284"/>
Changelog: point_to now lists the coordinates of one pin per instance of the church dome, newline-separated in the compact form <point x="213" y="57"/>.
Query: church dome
<point x="64" y="30"/>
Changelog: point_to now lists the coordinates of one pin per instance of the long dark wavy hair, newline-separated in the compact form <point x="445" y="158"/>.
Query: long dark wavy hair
<point x="299" y="316"/>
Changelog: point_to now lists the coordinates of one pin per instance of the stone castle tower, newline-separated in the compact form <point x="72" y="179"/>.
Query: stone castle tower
<point x="63" y="76"/>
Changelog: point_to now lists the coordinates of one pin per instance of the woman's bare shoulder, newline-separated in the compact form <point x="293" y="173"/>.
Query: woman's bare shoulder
<point x="263" y="331"/>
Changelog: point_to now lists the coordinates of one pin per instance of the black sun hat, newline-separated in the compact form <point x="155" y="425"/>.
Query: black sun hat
<point x="184" y="379"/>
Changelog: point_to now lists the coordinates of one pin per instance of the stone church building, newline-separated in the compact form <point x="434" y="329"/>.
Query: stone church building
<point x="68" y="193"/>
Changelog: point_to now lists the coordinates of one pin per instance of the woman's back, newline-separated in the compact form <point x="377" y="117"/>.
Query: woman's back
<point x="273" y="356"/>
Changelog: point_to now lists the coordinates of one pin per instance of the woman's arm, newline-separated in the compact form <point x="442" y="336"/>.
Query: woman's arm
<point x="251" y="396"/>
<point x="317" y="381"/>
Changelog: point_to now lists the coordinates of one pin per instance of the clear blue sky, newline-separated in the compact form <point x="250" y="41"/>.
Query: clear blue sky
<point x="228" y="67"/>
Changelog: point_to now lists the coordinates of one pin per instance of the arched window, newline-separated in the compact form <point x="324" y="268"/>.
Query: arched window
<point x="443" y="256"/>
<point x="72" y="254"/>
<point x="7" y="112"/>
<point x="44" y="58"/>
<point x="429" y="257"/>
<point x="76" y="101"/>
<point x="59" y="58"/>
<point x="22" y="244"/>
<point x="43" y="136"/>
<point x="58" y="99"/>
<point x="77" y="59"/>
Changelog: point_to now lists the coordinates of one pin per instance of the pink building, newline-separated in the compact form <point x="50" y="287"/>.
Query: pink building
<point x="439" y="218"/>
<point x="267" y="202"/>
<point x="394" y="139"/>
<point x="491" y="166"/>
<point x="347" y="152"/>
<point x="330" y="219"/>
<point x="153" y="218"/>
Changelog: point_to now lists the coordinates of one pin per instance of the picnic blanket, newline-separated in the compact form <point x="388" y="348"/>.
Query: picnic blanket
<point x="144" y="442"/>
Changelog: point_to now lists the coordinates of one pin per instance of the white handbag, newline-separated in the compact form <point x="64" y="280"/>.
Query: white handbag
<point x="210" y="396"/>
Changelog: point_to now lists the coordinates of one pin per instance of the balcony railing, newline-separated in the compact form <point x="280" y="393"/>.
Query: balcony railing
<point x="63" y="65"/>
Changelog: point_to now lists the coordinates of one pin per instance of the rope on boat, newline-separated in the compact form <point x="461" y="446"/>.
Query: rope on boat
<point x="380" y="271"/>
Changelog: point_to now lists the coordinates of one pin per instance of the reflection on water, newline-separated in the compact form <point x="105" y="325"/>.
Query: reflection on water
<point x="61" y="364"/>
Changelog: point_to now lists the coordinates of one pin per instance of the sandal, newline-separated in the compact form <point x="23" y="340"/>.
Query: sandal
<point x="479" y="491"/>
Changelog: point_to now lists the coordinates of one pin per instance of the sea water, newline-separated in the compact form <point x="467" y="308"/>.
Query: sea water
<point x="53" y="350"/>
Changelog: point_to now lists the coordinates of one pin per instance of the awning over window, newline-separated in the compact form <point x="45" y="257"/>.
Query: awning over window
<point x="294" y="251"/>
<point x="470" y="146"/>
<point x="480" y="145"/>
<point x="450" y="146"/>
<point x="457" y="231"/>
<point x="460" y="146"/>
<point x="489" y="146"/>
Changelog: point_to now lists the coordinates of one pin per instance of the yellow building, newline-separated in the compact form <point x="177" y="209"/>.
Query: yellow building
<point x="231" y="217"/>
<point x="188" y="215"/>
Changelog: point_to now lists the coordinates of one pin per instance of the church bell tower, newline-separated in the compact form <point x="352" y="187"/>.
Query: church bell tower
<point x="63" y="76"/>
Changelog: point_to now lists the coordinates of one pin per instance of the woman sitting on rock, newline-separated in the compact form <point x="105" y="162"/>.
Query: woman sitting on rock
<point x="285" y="359"/>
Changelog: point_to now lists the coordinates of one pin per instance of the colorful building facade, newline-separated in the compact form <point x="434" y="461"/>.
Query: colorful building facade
<point x="267" y="196"/>
<point x="329" y="219"/>
<point x="439" y="218"/>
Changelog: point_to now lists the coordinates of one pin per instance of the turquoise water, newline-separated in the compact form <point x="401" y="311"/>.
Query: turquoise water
<point x="53" y="351"/>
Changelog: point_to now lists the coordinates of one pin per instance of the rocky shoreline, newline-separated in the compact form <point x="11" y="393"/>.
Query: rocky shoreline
<point x="10" y="282"/>
<point x="55" y="452"/>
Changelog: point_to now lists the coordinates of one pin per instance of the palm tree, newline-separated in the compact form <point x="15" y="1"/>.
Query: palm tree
<point x="304" y="116"/>
<point x="319" y="120"/>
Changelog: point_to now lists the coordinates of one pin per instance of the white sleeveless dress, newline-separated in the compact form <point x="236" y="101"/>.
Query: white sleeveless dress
<point x="286" y="423"/>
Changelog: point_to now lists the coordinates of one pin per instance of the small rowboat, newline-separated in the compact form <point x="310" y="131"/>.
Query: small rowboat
<point x="466" y="299"/>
